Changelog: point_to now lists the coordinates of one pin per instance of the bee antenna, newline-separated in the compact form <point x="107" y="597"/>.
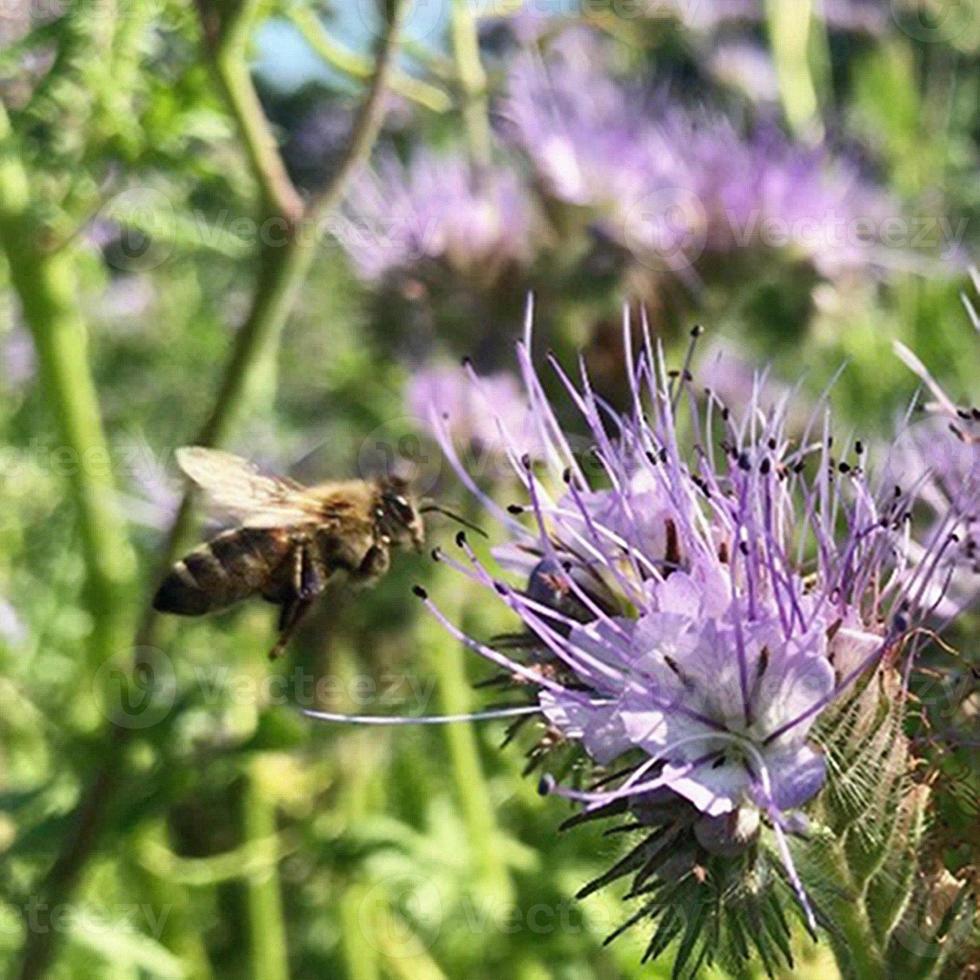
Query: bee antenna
<point x="428" y="508"/>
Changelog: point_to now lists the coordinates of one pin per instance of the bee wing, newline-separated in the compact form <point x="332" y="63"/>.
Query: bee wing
<point x="238" y="486"/>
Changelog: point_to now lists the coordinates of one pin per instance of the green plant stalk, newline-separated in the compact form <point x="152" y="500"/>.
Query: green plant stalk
<point x="856" y="950"/>
<point x="358" y="939"/>
<point x="170" y="902"/>
<point x="789" y="26"/>
<point x="446" y="658"/>
<point x="358" y="66"/>
<point x="47" y="287"/>
<point x="266" y="926"/>
<point x="360" y="955"/>
<point x="472" y="80"/>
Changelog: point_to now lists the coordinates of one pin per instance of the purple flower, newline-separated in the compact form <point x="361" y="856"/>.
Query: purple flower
<point x="436" y="209"/>
<point x="672" y="184"/>
<point x="487" y="414"/>
<point x="693" y="606"/>
<point x="850" y="16"/>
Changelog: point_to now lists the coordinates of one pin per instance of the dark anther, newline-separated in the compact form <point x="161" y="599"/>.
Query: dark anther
<point x="799" y="467"/>
<point x="765" y="466"/>
<point x="772" y="444"/>
<point x="566" y="475"/>
<point x="697" y="330"/>
<point x="546" y="784"/>
<point x="460" y="539"/>
<point x="515" y="509"/>
<point x="466" y="360"/>
<point x="436" y="554"/>
<point x="719" y="762"/>
<point x="420" y="592"/>
<point x="526" y="461"/>
<point x="500" y="587"/>
<point x="859" y="447"/>
<point x="663" y="455"/>
<point x="744" y="463"/>
<point x="743" y="546"/>
<point x="844" y="467"/>
<point x="725" y="414"/>
<point x="651" y="458"/>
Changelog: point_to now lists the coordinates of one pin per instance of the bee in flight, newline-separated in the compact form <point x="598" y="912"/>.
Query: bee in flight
<point x="292" y="540"/>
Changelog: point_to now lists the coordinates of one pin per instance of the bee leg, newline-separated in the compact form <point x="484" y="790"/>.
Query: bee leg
<point x="375" y="563"/>
<point x="308" y="580"/>
<point x="293" y="611"/>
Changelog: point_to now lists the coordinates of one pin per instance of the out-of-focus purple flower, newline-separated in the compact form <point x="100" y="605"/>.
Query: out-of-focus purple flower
<point x="848" y="16"/>
<point x="747" y="67"/>
<point x="670" y="184"/>
<point x="436" y="209"/>
<point x="489" y="415"/>
<point x="693" y="610"/>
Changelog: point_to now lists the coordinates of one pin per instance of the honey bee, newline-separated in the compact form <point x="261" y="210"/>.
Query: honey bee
<point x="292" y="540"/>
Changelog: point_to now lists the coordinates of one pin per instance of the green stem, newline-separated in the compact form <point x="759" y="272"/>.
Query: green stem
<point x="472" y="80"/>
<point x="230" y="61"/>
<point x="447" y="661"/>
<point x="790" y="26"/>
<point x="855" y="947"/>
<point x="47" y="287"/>
<point x="267" y="931"/>
<point x="358" y="66"/>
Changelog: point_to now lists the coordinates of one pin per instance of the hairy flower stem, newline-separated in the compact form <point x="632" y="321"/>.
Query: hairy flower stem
<point x="47" y="287"/>
<point x="855" y="946"/>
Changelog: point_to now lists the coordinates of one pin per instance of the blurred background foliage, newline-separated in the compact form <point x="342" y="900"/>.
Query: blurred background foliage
<point x="224" y="834"/>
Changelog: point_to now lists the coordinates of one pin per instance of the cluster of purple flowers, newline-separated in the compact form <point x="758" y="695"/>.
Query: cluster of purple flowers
<point x="693" y="604"/>
<point x="670" y="183"/>
<point x="475" y="222"/>
<point x="666" y="183"/>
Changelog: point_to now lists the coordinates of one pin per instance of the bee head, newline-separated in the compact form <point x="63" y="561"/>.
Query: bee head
<point x="398" y="514"/>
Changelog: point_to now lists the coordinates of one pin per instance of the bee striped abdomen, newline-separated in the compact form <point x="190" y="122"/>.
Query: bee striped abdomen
<point x="225" y="570"/>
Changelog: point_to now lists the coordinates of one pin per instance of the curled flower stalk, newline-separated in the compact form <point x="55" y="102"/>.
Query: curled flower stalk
<point x="717" y="625"/>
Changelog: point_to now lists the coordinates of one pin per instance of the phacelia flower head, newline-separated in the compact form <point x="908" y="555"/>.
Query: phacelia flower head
<point x="674" y="186"/>
<point x="697" y="589"/>
<point x="436" y="210"/>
